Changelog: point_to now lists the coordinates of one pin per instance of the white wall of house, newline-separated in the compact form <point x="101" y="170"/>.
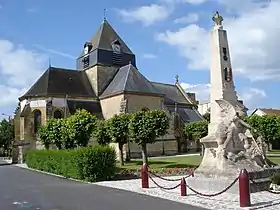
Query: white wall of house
<point x="203" y="108"/>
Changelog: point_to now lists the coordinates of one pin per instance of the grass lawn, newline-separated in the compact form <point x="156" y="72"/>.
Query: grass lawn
<point x="168" y="162"/>
<point x="172" y="162"/>
<point x="274" y="151"/>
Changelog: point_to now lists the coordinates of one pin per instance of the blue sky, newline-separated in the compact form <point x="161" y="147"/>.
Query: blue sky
<point x="169" y="37"/>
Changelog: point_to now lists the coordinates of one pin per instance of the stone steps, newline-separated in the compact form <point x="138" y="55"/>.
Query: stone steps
<point x="261" y="179"/>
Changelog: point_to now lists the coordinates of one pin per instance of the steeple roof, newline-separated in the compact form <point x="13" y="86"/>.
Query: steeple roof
<point x="104" y="38"/>
<point x="128" y="79"/>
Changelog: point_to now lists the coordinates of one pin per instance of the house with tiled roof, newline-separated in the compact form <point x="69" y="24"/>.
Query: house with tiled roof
<point x="106" y="82"/>
<point x="263" y="111"/>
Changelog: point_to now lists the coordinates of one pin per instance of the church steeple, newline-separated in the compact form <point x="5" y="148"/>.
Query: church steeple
<point x="106" y="47"/>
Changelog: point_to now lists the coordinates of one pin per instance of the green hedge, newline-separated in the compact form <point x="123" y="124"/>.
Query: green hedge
<point x="92" y="164"/>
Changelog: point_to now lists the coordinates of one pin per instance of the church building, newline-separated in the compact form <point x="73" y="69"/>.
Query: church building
<point x="106" y="82"/>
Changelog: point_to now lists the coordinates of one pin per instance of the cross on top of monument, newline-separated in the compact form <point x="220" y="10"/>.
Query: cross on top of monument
<point x="218" y="19"/>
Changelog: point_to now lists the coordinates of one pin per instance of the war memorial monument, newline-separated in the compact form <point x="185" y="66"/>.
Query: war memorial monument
<point x="231" y="144"/>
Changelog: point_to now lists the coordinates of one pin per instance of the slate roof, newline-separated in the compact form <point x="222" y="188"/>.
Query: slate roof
<point x="187" y="113"/>
<point x="59" y="81"/>
<point x="93" y="107"/>
<point x="104" y="38"/>
<point x="128" y="79"/>
<point x="172" y="93"/>
<point x="269" y="111"/>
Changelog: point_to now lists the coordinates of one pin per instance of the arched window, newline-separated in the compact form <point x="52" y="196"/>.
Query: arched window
<point x="37" y="120"/>
<point x="57" y="114"/>
<point x="144" y="109"/>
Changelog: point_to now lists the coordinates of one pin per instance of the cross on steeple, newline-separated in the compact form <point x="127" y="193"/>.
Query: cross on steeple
<point x="104" y="13"/>
<point x="177" y="78"/>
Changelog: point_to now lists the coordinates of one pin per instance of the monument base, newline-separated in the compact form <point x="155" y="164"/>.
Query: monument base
<point x="218" y="171"/>
<point x="209" y="185"/>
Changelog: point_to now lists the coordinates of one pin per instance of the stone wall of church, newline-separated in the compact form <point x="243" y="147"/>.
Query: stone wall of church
<point x="111" y="106"/>
<point x="138" y="102"/>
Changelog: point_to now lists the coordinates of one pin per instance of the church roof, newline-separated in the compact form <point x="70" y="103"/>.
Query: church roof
<point x="187" y="113"/>
<point x="92" y="107"/>
<point x="59" y="81"/>
<point x="128" y="79"/>
<point x="104" y="38"/>
<point x="172" y="93"/>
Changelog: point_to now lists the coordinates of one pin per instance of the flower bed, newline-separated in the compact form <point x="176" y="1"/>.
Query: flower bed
<point x="136" y="173"/>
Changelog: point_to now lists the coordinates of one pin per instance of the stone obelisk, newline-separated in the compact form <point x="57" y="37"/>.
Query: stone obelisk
<point x="222" y="86"/>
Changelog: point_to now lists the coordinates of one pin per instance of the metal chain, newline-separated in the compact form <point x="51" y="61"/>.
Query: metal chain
<point x="170" y="180"/>
<point x="165" y="188"/>
<point x="215" y="194"/>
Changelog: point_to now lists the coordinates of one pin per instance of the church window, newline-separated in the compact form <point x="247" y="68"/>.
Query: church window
<point x="86" y="61"/>
<point x="117" y="59"/>
<point x="37" y="120"/>
<point x="224" y="50"/>
<point x="57" y="114"/>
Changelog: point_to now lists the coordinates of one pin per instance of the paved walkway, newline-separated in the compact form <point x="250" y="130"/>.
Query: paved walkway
<point x="226" y="201"/>
<point x="26" y="189"/>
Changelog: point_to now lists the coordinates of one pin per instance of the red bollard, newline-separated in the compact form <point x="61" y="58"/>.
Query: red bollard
<point x="183" y="187"/>
<point x="244" y="189"/>
<point x="145" y="176"/>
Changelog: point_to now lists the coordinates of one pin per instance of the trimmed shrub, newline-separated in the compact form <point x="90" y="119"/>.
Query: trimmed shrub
<point x="275" y="178"/>
<point x="92" y="164"/>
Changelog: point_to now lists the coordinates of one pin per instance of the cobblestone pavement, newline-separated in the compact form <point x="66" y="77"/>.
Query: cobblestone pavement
<point x="260" y="200"/>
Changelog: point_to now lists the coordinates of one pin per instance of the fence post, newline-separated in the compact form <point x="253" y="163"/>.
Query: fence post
<point x="183" y="187"/>
<point x="144" y="176"/>
<point x="244" y="189"/>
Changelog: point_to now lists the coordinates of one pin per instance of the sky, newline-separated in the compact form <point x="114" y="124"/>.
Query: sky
<point x="168" y="37"/>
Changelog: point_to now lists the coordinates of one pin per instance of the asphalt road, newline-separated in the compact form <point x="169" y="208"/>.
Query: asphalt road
<point x="24" y="189"/>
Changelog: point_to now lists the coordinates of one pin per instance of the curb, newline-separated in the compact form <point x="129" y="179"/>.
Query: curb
<point x="51" y="174"/>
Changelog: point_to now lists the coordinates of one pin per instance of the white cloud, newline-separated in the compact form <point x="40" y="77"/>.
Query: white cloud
<point x="195" y="2"/>
<point x="250" y="96"/>
<point x="253" y="39"/>
<point x="19" y="69"/>
<point x="149" y="56"/>
<point x="148" y="15"/>
<point x="54" y="52"/>
<point x="202" y="91"/>
<point x="190" y="18"/>
<point x="32" y="10"/>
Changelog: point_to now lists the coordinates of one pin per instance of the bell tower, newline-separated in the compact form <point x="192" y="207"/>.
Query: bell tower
<point x="103" y="55"/>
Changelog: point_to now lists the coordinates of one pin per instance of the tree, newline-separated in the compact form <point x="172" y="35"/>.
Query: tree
<point x="101" y="134"/>
<point x="43" y="133"/>
<point x="196" y="130"/>
<point x="6" y="134"/>
<point x="206" y="116"/>
<point x="51" y="133"/>
<point x="118" y="128"/>
<point x="146" y="126"/>
<point x="81" y="125"/>
<point x="268" y="126"/>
